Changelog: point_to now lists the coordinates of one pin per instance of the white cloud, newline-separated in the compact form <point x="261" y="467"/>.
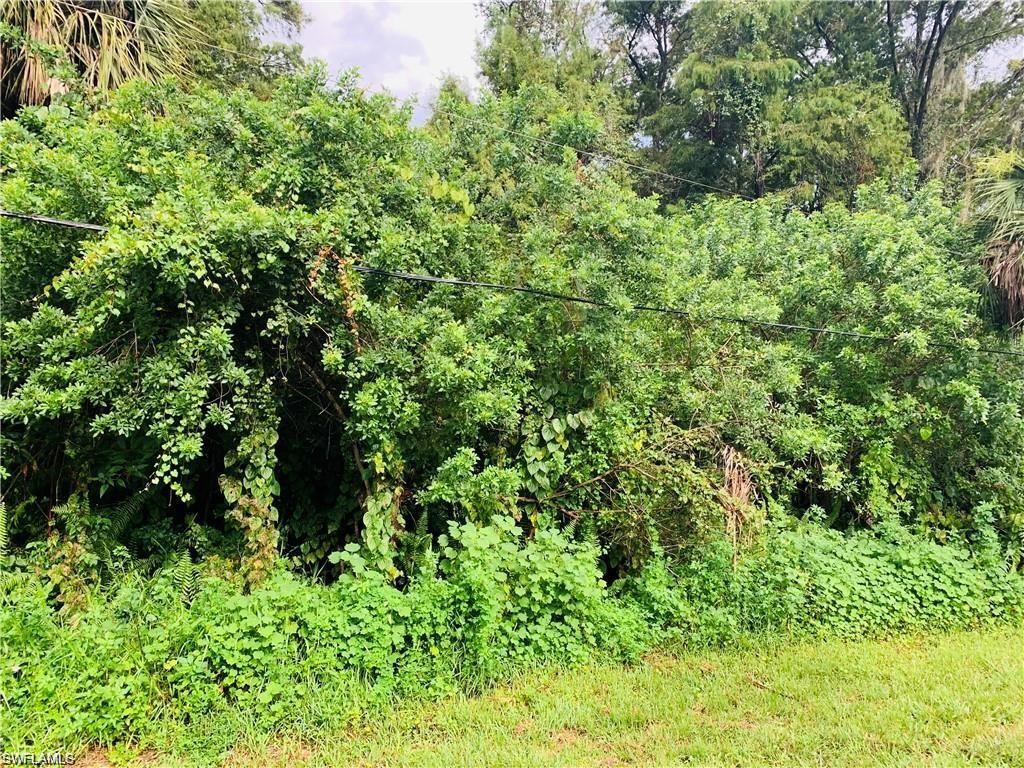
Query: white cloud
<point x="405" y="47"/>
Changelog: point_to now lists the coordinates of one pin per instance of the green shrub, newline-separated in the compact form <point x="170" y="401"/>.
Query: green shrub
<point x="217" y="336"/>
<point x="806" y="580"/>
<point x="209" y="384"/>
<point x="136" y="659"/>
<point x="821" y="581"/>
<point x="489" y="603"/>
<point x="540" y="600"/>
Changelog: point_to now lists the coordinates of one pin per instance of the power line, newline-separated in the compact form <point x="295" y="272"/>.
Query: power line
<point x="541" y="293"/>
<point x="55" y="222"/>
<point x="698" y="318"/>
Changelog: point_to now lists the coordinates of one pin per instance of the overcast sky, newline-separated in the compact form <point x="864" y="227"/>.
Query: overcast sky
<point x="405" y="47"/>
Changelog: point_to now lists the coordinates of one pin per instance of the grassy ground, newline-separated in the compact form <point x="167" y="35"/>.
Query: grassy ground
<point x="933" y="701"/>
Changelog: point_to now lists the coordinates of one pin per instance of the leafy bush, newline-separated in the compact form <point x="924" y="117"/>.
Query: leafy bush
<point x="544" y="599"/>
<point x="139" y="659"/>
<point x="140" y="648"/>
<point x="217" y="337"/>
<point x="867" y="585"/>
<point x="805" y="580"/>
<point x="208" y="398"/>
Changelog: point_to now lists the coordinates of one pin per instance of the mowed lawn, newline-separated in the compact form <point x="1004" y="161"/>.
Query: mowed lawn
<point x="930" y="701"/>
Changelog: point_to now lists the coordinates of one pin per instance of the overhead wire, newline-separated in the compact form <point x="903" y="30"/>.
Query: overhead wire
<point x="56" y="222"/>
<point x="412" y="277"/>
<point x="698" y="318"/>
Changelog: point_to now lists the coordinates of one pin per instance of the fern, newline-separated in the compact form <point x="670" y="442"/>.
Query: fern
<point x="121" y="515"/>
<point x="72" y="514"/>
<point x="415" y="547"/>
<point x="5" y="541"/>
<point x="9" y="577"/>
<point x="118" y="518"/>
<point x="185" y="577"/>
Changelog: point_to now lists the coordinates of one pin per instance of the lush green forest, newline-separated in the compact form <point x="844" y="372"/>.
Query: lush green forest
<point x="698" y="327"/>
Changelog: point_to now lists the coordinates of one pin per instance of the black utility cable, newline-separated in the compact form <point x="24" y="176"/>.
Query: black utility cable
<point x="55" y="222"/>
<point x="474" y="284"/>
<point x="697" y="318"/>
<point x="672" y="311"/>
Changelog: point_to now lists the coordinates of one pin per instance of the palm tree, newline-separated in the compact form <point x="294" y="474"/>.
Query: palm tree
<point x="103" y="42"/>
<point x="999" y="191"/>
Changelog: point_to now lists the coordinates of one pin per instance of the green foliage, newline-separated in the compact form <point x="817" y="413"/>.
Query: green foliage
<point x="216" y="345"/>
<point x="815" y="96"/>
<point x="138" y="663"/>
<point x="8" y="575"/>
<point x="556" y="44"/>
<point x="482" y="495"/>
<point x="52" y="47"/>
<point x="189" y="646"/>
<point x="998" y="189"/>
<point x="232" y="50"/>
<point x="806" y="580"/>
<point x="764" y="117"/>
<point x="104" y="45"/>
<point x="210" y="384"/>
<point x="185" y="575"/>
<point x="863" y="585"/>
<point x="463" y="472"/>
<point x="543" y="599"/>
<point x="831" y="139"/>
<point x="917" y="452"/>
<point x="543" y="41"/>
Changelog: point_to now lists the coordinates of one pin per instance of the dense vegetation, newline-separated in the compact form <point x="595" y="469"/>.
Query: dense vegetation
<point x="210" y="383"/>
<point x="241" y="472"/>
<point x="807" y="96"/>
<point x="62" y="49"/>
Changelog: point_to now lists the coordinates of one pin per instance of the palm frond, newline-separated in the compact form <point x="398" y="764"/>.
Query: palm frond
<point x="999" y="195"/>
<point x="106" y="41"/>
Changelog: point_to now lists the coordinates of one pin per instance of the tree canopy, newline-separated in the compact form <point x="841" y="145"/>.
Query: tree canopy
<point x="752" y="97"/>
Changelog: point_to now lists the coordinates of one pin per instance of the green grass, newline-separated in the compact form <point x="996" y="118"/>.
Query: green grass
<point x="931" y="701"/>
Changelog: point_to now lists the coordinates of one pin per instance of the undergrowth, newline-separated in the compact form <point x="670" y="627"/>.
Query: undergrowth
<point x="155" y="661"/>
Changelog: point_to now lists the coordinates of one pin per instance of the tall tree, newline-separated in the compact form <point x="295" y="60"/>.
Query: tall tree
<point x="751" y="98"/>
<point x="724" y="91"/>
<point x="559" y="43"/>
<point x="652" y="36"/>
<point x="929" y="46"/>
<point x="542" y="41"/>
